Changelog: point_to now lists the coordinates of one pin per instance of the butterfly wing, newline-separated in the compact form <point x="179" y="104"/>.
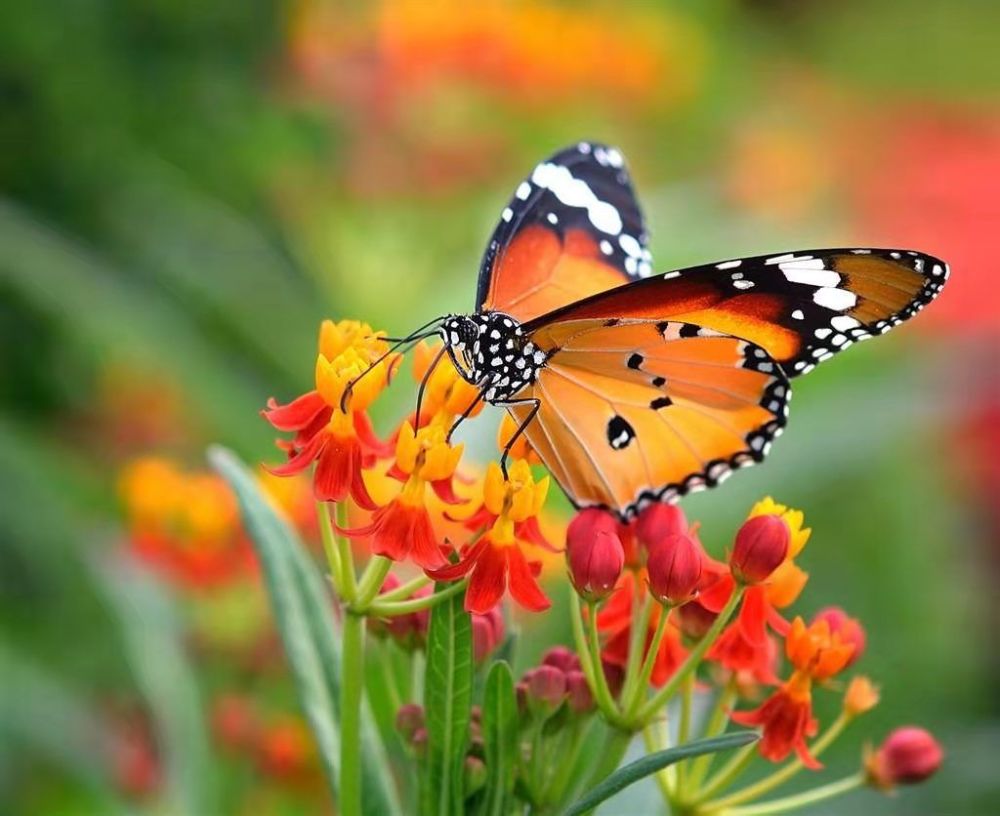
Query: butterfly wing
<point x="635" y="411"/>
<point x="572" y="228"/>
<point x="801" y="307"/>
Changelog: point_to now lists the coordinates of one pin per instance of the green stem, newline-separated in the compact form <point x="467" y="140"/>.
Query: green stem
<point x="693" y="659"/>
<point x="684" y="732"/>
<point x="729" y="772"/>
<point x="383" y="609"/>
<point x="351" y="692"/>
<point x="602" y="694"/>
<point x="580" y="639"/>
<point x="631" y="704"/>
<point x="662" y="777"/>
<point x="614" y="749"/>
<point x="404" y="591"/>
<point x="715" y="726"/>
<point x="348" y="585"/>
<point x="641" y="611"/>
<point x="371" y="581"/>
<point x="779" y="777"/>
<point x="566" y="765"/>
<point x="330" y="546"/>
<point x="800" y="800"/>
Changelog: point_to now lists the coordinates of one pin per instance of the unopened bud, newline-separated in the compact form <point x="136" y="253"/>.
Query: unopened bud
<point x="908" y="755"/>
<point x="594" y="553"/>
<point x="580" y="698"/>
<point x="761" y="547"/>
<point x="657" y="522"/>
<point x="487" y="633"/>
<point x="674" y="566"/>
<point x="861" y="696"/>
<point x="545" y="689"/>
<point x="409" y="720"/>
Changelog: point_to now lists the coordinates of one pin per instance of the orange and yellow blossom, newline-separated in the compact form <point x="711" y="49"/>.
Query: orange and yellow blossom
<point x="743" y="644"/>
<point x="403" y="529"/>
<point x="816" y="654"/>
<point x="495" y="562"/>
<point x="447" y="394"/>
<point x="186" y="525"/>
<point x="329" y="423"/>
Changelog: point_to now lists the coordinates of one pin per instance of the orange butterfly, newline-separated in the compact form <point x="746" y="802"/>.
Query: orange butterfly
<point x="635" y="388"/>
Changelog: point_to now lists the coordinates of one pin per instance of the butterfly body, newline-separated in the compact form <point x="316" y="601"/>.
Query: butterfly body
<point x="491" y="351"/>
<point x="635" y="387"/>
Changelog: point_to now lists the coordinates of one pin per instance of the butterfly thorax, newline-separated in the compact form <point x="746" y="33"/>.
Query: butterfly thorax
<point x="490" y="351"/>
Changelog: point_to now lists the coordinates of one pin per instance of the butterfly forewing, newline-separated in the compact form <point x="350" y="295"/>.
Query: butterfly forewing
<point x="637" y="411"/>
<point x="802" y="307"/>
<point x="573" y="228"/>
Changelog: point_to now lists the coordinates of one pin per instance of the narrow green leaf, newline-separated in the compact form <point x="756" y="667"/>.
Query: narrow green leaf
<point x="447" y="705"/>
<point x="651" y="763"/>
<point x="302" y="609"/>
<point x="500" y="739"/>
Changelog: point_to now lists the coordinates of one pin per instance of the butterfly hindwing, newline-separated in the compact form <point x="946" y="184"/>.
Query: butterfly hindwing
<point x="572" y="228"/>
<point x="634" y="411"/>
<point x="802" y="307"/>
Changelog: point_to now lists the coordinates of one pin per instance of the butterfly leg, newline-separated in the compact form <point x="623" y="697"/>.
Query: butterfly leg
<point x="535" y="405"/>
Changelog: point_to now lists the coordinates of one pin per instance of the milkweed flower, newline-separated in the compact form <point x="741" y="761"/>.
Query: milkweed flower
<point x="674" y="567"/>
<point x="329" y="424"/>
<point x="447" y="394"/>
<point x="402" y="529"/>
<point x="786" y="717"/>
<point x="495" y="562"/>
<point x="849" y="629"/>
<point x="735" y="649"/>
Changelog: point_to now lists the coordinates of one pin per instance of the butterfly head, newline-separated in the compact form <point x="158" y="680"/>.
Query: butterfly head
<point x="490" y="350"/>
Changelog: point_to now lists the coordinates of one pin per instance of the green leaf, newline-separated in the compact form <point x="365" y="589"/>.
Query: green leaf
<point x="500" y="735"/>
<point x="447" y="705"/>
<point x="302" y="609"/>
<point x="651" y="763"/>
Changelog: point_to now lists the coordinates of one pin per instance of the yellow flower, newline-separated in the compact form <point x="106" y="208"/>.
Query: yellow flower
<point x="335" y="338"/>
<point x="513" y="500"/>
<point x="793" y="518"/>
<point x="426" y="453"/>
<point x="346" y="351"/>
<point x="862" y="695"/>
<point x="446" y="392"/>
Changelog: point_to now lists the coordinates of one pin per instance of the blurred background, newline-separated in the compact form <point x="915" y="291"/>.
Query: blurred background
<point x="187" y="189"/>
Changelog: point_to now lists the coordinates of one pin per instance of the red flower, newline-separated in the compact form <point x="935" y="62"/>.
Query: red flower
<point x="495" y="562"/>
<point x="761" y="547"/>
<point x="657" y="522"/>
<point x="849" y="629"/>
<point x="493" y="568"/>
<point x="787" y="719"/>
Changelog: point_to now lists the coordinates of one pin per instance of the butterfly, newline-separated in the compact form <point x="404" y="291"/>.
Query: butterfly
<point x="634" y="387"/>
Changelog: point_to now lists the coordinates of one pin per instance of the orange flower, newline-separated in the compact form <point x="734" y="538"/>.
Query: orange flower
<point x="862" y="695"/>
<point x="787" y="719"/>
<point x="496" y="562"/>
<point x="186" y="525"/>
<point x="330" y="425"/>
<point x="816" y="651"/>
<point x="446" y="394"/>
<point x="403" y="529"/>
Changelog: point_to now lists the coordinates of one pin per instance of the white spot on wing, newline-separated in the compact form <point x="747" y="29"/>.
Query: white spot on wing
<point x="835" y="299"/>
<point x="524" y="189"/>
<point x="728" y="264"/>
<point x="575" y="192"/>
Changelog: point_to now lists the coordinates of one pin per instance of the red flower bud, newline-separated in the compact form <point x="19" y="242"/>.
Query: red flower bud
<point x="761" y="547"/>
<point x="409" y="630"/>
<point x="849" y="629"/>
<point x="657" y="522"/>
<point x="564" y="659"/>
<point x="580" y="698"/>
<point x="544" y="688"/>
<point x="674" y="567"/>
<point x="908" y="755"/>
<point x="409" y="720"/>
<point x="594" y="553"/>
<point x="487" y="633"/>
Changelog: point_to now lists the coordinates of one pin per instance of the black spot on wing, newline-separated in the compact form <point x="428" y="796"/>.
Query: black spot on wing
<point x="620" y="432"/>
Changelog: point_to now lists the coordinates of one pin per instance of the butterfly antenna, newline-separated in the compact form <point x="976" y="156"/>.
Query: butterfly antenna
<point x="424" y="381"/>
<point x="412" y="339"/>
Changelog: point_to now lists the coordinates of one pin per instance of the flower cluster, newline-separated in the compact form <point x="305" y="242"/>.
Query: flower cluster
<point x="656" y="619"/>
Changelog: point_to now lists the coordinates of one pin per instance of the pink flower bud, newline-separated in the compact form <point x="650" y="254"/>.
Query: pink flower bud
<point x="594" y="553"/>
<point x="580" y="698"/>
<point x="564" y="659"/>
<point x="545" y="688"/>
<point x="409" y="720"/>
<point x="849" y="629"/>
<point x="487" y="633"/>
<point x="657" y="522"/>
<point x="674" y="567"/>
<point x="908" y="755"/>
<point x="761" y="547"/>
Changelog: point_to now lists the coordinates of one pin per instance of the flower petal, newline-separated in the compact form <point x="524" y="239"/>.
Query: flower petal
<point x="488" y="580"/>
<point x="523" y="586"/>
